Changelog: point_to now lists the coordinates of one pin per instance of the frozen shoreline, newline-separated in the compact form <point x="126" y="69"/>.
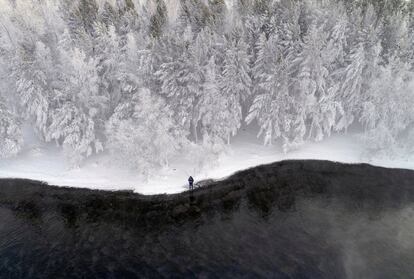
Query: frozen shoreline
<point x="47" y="163"/>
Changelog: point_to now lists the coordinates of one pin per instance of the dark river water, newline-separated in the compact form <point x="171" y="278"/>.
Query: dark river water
<point x="294" y="219"/>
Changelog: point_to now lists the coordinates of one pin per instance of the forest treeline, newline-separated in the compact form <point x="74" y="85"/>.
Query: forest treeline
<point x="146" y="80"/>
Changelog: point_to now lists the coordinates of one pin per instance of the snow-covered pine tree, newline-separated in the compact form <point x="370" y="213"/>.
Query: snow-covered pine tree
<point x="290" y="39"/>
<point x="158" y="18"/>
<point x="352" y="83"/>
<point x="337" y="27"/>
<point x="182" y="79"/>
<point x="362" y="66"/>
<point x="213" y="111"/>
<point x="235" y="84"/>
<point x="142" y="132"/>
<point x="34" y="77"/>
<point x="107" y="51"/>
<point x="385" y="116"/>
<point x="75" y="121"/>
<point x="11" y="139"/>
<point x="404" y="49"/>
<point x="311" y="88"/>
<point x="271" y="104"/>
<point x="393" y="30"/>
<point x="198" y="54"/>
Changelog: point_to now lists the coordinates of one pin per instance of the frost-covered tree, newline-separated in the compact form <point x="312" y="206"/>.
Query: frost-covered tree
<point x="235" y="85"/>
<point x="387" y="111"/>
<point x="197" y="61"/>
<point x="75" y="121"/>
<point x="352" y="83"/>
<point x="213" y="111"/>
<point x="182" y="80"/>
<point x="314" y="98"/>
<point x="11" y="139"/>
<point x="158" y="18"/>
<point x="363" y="61"/>
<point x="174" y="85"/>
<point x="107" y="50"/>
<point x="142" y="133"/>
<point x="34" y="76"/>
<point x="393" y="34"/>
<point x="271" y="104"/>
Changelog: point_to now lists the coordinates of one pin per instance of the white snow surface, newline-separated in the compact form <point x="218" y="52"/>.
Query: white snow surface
<point x="47" y="163"/>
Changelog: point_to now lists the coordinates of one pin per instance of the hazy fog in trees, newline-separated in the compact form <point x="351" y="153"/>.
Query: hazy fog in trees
<point x="147" y="80"/>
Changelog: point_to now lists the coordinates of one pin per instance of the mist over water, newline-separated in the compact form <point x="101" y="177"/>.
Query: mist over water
<point x="286" y="220"/>
<point x="370" y="244"/>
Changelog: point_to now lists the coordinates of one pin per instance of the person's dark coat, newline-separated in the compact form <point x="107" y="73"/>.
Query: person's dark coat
<point x="190" y="182"/>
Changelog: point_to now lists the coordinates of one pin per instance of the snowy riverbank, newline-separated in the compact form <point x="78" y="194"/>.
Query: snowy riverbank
<point x="47" y="163"/>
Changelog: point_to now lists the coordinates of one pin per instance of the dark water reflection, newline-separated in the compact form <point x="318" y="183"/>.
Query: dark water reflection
<point x="286" y="220"/>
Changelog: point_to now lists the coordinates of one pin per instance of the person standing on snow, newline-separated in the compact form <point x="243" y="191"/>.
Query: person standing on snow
<point x="191" y="183"/>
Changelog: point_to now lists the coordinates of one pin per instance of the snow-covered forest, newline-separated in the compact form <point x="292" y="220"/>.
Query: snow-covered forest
<point x="147" y="80"/>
